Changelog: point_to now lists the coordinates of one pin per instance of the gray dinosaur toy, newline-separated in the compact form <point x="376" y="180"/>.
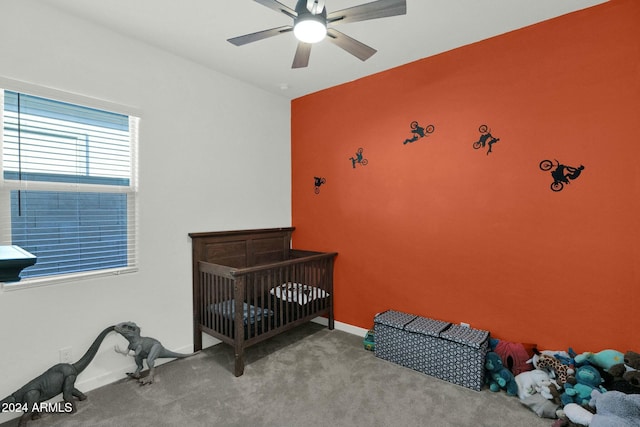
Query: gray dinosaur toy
<point x="143" y="348"/>
<point x="60" y="378"/>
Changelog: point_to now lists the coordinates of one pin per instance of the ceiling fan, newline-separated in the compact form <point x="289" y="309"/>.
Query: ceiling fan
<point x="311" y="25"/>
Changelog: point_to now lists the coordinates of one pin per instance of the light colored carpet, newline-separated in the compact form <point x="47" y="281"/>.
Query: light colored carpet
<point x="309" y="377"/>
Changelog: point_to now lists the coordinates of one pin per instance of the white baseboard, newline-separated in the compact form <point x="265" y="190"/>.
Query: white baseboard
<point x="344" y="327"/>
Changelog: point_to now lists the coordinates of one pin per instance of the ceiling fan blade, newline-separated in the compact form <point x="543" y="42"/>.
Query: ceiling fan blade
<point x="278" y="7"/>
<point x="303" y="51"/>
<point x="373" y="10"/>
<point x="353" y="46"/>
<point x="253" y="37"/>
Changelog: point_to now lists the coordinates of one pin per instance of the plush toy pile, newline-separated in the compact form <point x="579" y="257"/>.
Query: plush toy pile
<point x="599" y="389"/>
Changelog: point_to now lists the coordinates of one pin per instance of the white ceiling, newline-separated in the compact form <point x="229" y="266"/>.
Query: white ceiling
<point x="198" y="30"/>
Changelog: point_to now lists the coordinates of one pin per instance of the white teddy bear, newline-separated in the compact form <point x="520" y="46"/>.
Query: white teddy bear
<point x="532" y="382"/>
<point x="534" y="391"/>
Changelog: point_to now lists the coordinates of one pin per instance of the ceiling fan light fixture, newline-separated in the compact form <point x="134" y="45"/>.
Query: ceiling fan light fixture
<point x="310" y="28"/>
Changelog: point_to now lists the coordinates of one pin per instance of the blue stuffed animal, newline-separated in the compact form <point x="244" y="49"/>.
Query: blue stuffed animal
<point x="497" y="376"/>
<point x="587" y="379"/>
<point x="604" y="359"/>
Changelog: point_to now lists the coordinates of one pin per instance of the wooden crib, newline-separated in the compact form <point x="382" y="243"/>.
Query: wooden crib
<point x="249" y="285"/>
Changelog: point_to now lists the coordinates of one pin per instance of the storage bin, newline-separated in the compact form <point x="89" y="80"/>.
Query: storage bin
<point x="450" y="352"/>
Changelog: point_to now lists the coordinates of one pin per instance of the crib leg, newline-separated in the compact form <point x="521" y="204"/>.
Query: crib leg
<point x="239" y="363"/>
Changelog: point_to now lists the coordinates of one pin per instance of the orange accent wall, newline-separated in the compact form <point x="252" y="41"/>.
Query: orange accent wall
<point x="438" y="228"/>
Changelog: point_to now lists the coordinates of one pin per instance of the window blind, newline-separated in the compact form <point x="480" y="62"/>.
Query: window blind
<point x="69" y="181"/>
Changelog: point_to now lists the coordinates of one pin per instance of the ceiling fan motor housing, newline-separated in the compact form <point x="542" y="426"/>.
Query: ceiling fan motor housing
<point x="309" y="27"/>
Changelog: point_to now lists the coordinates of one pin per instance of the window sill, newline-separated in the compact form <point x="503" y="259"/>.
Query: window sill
<point x="63" y="278"/>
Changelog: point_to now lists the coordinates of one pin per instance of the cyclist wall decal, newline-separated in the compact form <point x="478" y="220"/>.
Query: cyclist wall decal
<point x="562" y="174"/>
<point x="419" y="132"/>
<point x="358" y="159"/>
<point x="485" y="139"/>
<point x="317" y="182"/>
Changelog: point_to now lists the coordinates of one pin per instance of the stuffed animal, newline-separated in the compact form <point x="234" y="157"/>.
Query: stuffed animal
<point x="587" y="379"/>
<point x="497" y="376"/>
<point x="563" y="356"/>
<point x="613" y="409"/>
<point x="629" y="370"/>
<point x="553" y="365"/>
<point x="555" y="391"/>
<point x="604" y="359"/>
<point x="515" y="357"/>
<point x="537" y="391"/>
<point x="530" y="382"/>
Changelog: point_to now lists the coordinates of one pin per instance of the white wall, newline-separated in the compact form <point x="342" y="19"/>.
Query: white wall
<point x="214" y="155"/>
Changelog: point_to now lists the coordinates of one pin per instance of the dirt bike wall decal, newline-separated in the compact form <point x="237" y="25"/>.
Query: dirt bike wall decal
<point x="562" y="174"/>
<point x="358" y="159"/>
<point x="485" y="139"/>
<point x="317" y="182"/>
<point x="419" y="132"/>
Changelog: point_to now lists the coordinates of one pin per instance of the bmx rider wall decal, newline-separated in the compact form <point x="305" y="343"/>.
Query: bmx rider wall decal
<point x="358" y="158"/>
<point x="317" y="182"/>
<point x="419" y="132"/>
<point x="562" y="174"/>
<point x="485" y="139"/>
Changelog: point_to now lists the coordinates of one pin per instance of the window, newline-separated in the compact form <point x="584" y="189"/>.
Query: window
<point x="69" y="190"/>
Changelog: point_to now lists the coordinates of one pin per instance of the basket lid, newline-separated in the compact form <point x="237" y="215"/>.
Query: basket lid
<point x="465" y="335"/>
<point x="426" y="326"/>
<point x="397" y="319"/>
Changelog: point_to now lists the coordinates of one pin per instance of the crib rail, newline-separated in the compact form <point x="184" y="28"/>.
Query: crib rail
<point x="243" y="306"/>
